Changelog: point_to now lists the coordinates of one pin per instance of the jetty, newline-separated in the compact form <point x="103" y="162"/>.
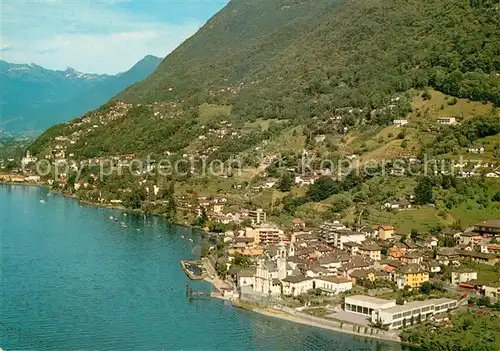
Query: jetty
<point x="193" y="295"/>
<point x="193" y="269"/>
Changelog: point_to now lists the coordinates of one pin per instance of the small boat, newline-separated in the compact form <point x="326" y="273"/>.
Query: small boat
<point x="124" y="214"/>
<point x="190" y="239"/>
<point x="42" y="201"/>
<point x="182" y="236"/>
<point x="110" y="217"/>
<point x="124" y="225"/>
<point x="158" y="236"/>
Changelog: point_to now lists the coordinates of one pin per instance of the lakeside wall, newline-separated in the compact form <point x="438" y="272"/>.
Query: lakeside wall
<point x="292" y="315"/>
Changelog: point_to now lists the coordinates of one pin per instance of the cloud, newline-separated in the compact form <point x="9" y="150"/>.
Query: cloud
<point x="92" y="37"/>
<point x="5" y="47"/>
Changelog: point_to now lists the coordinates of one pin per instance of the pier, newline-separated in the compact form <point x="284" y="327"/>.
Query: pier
<point x="193" y="295"/>
<point x="192" y="269"/>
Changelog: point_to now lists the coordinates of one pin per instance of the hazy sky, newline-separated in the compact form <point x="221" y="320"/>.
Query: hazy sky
<point x="96" y="36"/>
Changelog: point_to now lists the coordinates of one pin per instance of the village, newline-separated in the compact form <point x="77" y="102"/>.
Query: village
<point x="360" y="276"/>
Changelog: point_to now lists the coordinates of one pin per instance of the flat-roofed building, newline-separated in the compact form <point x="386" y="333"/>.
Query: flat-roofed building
<point x="258" y="216"/>
<point x="411" y="313"/>
<point x="365" y="305"/>
<point x="264" y="234"/>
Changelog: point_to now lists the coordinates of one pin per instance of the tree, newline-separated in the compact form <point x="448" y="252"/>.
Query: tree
<point x="323" y="188"/>
<point x="221" y="270"/>
<point x="423" y="191"/>
<point x="241" y="260"/>
<point x="217" y="227"/>
<point x="205" y="250"/>
<point x="383" y="251"/>
<point x="202" y="220"/>
<point x="286" y="182"/>
<point x="414" y="234"/>
<point x="426" y="288"/>
<point x="135" y="198"/>
<point x="496" y="197"/>
<point x="171" y="208"/>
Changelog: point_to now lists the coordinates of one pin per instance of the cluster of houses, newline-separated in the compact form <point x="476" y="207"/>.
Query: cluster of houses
<point x="334" y="258"/>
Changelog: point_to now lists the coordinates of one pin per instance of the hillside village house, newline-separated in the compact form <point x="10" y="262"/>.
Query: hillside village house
<point x="492" y="290"/>
<point x="400" y="122"/>
<point x="26" y="160"/>
<point x="476" y="149"/>
<point x="351" y="247"/>
<point x="332" y="284"/>
<point x="296" y="285"/>
<point x="371" y="250"/>
<point x="447" y="120"/>
<point x="489" y="227"/>
<point x="305" y="180"/>
<point x="412" y="258"/>
<point x="386" y="232"/>
<point x="462" y="275"/>
<point x="412" y="275"/>
<point x="447" y="256"/>
<point x="479" y="257"/>
<point x="470" y="238"/>
<point x="341" y="237"/>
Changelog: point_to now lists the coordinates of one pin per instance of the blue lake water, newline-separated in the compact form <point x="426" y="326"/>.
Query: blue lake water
<point x="71" y="278"/>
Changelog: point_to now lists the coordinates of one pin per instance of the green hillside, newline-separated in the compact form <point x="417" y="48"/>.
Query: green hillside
<point x="296" y="59"/>
<point x="265" y="80"/>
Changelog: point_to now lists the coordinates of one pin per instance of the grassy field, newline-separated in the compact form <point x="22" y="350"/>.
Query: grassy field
<point x="209" y="112"/>
<point x="440" y="106"/>
<point x="420" y="219"/>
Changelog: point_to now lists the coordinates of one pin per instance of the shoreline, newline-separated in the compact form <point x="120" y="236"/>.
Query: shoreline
<point x="274" y="313"/>
<point x="105" y="205"/>
<point x="218" y="283"/>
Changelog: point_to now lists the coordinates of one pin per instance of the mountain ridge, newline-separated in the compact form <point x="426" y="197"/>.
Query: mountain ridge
<point x="33" y="97"/>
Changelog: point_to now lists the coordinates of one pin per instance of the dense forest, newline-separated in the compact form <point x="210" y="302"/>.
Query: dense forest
<point x="299" y="59"/>
<point x="470" y="332"/>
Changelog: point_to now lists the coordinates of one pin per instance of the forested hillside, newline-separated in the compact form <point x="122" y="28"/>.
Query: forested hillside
<point x="296" y="59"/>
<point x="371" y="81"/>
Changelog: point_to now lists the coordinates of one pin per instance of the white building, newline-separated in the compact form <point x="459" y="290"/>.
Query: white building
<point x="411" y="313"/>
<point x="462" y="276"/>
<point x="366" y="305"/>
<point x="339" y="238"/>
<point x="258" y="216"/>
<point x="400" y="122"/>
<point x="333" y="285"/>
<point x="26" y="160"/>
<point x="296" y="285"/>
<point x="447" y="120"/>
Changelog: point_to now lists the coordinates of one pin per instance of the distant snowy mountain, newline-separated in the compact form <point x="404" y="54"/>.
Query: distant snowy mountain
<point x="33" y="98"/>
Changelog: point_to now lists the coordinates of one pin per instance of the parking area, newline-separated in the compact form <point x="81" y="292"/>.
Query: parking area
<point x="349" y="317"/>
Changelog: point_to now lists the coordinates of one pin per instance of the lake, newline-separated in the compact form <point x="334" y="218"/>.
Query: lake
<point x="72" y="278"/>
